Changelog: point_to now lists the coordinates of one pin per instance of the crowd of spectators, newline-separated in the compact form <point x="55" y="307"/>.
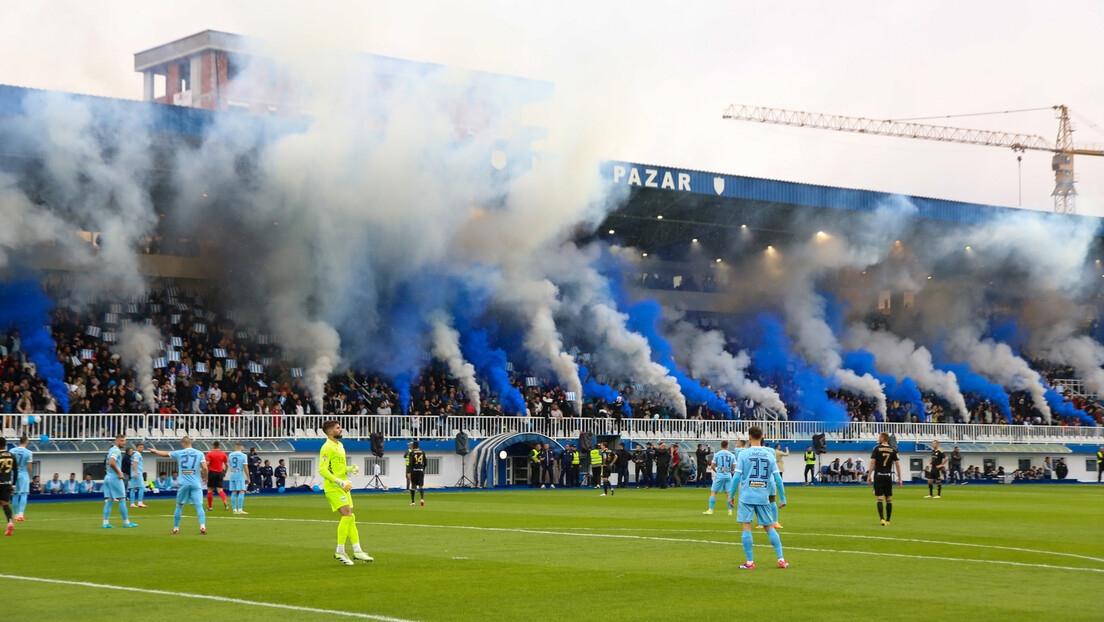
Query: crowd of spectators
<point x="209" y="364"/>
<point x="680" y="282"/>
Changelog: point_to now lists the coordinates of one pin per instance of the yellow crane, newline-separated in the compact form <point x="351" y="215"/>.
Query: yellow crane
<point x="1065" y="194"/>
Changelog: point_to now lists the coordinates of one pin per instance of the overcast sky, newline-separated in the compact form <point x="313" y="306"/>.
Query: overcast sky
<point x="656" y="76"/>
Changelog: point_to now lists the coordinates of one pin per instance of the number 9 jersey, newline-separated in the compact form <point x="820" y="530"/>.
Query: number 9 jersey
<point x="755" y="468"/>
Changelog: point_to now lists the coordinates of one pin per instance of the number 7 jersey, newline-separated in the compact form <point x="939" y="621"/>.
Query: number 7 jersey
<point x="755" y="467"/>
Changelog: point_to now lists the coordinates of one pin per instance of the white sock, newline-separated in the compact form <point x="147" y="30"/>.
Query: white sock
<point x="356" y="548"/>
<point x="341" y="549"/>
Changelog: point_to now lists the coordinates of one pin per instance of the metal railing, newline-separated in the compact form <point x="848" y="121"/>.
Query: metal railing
<point x="136" y="426"/>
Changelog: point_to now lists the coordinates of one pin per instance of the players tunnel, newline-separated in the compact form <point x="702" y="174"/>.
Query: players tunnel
<point x="492" y="471"/>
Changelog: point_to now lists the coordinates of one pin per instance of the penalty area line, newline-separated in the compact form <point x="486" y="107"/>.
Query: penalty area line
<point x="221" y="599"/>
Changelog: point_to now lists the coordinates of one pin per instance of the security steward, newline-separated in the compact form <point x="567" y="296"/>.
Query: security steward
<point x="535" y="466"/>
<point x="810" y="467"/>
<point x="573" y="472"/>
<point x="596" y="467"/>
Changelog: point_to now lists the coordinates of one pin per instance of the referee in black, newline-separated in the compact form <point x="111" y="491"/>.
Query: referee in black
<point x="881" y="475"/>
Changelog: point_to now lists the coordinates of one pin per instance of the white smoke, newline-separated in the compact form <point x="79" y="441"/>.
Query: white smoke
<point x="446" y="347"/>
<point x="999" y="364"/>
<point x="903" y="358"/>
<point x="704" y="355"/>
<point x="1058" y="345"/>
<point x="537" y="302"/>
<point x="136" y="346"/>
<point x="635" y="355"/>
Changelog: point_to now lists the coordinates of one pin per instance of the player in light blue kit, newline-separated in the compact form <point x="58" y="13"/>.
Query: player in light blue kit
<point x="732" y="492"/>
<point x="193" y="472"/>
<point x="238" y="471"/>
<point x="723" y="464"/>
<point x="755" y="469"/>
<point x="23" y="458"/>
<point x="113" y="487"/>
<point x="136" y="485"/>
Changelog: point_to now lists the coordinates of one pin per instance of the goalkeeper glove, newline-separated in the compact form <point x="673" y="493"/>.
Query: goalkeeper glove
<point x="354" y="469"/>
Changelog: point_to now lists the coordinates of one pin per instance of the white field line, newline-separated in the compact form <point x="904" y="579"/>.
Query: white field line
<point x="221" y="599"/>
<point x="662" y="539"/>
<point x="848" y="535"/>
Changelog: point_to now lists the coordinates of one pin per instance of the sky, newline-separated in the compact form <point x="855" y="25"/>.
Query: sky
<point x="651" y="79"/>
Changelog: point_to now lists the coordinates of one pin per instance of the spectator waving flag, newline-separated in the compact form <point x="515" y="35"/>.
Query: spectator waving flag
<point x="174" y="318"/>
<point x="199" y="327"/>
<point x="132" y="307"/>
<point x="426" y="356"/>
<point x="93" y="331"/>
<point x="531" y="381"/>
<point x="241" y="334"/>
<point x="264" y="339"/>
<point x="220" y="353"/>
<point x="87" y="354"/>
<point x="174" y="355"/>
<point x="261" y="383"/>
<point x="155" y="308"/>
<point x="231" y="364"/>
<point x="160" y="362"/>
<point x="116" y="308"/>
<point x="570" y="396"/>
<point x="255" y="368"/>
<point x="109" y="337"/>
<point x="509" y="366"/>
<point x="201" y="368"/>
<point x="296" y="372"/>
<point x="111" y="318"/>
<point x="267" y="361"/>
<point x="177" y="342"/>
<point x="76" y="361"/>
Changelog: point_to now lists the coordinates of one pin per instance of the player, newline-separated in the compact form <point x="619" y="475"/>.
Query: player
<point x="935" y="471"/>
<point x="136" y="485"/>
<point x="723" y="464"/>
<point x="607" y="459"/>
<point x="216" y="465"/>
<point x="238" y="467"/>
<point x="755" y="467"/>
<point x="7" y="477"/>
<point x="332" y="468"/>
<point x="193" y="470"/>
<point x="881" y="475"/>
<point x="113" y="484"/>
<point x="416" y="471"/>
<point x="23" y="460"/>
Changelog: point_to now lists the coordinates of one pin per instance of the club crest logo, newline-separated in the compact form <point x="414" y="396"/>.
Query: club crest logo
<point x="718" y="184"/>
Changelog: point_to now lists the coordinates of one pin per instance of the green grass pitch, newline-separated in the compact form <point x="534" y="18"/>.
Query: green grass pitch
<point x="980" y="553"/>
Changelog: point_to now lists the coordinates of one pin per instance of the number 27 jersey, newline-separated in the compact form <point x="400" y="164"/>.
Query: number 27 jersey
<point x="755" y="467"/>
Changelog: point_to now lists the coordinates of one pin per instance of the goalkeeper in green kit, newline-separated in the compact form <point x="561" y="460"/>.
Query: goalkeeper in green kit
<point x="332" y="467"/>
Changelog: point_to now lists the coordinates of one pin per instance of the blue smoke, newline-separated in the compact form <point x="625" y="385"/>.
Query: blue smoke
<point x="862" y="362"/>
<point x="604" y="392"/>
<point x="26" y="307"/>
<point x="1063" y="409"/>
<point x="797" y="382"/>
<point x="490" y="363"/>
<point x="644" y="318"/>
<point x="976" y="388"/>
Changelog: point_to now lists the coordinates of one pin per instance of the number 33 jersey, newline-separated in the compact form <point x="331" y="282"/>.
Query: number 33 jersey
<point x="755" y="468"/>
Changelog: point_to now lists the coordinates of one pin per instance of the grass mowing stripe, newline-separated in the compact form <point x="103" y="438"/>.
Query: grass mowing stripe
<point x="848" y="535"/>
<point x="224" y="599"/>
<point x="685" y="540"/>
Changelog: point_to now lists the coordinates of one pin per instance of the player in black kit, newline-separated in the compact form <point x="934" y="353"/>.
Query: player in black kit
<point x="7" y="479"/>
<point x="882" y="462"/>
<point x="935" y="470"/>
<point x="416" y="469"/>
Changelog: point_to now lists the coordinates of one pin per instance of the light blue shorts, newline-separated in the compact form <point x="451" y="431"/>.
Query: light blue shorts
<point x="722" y="482"/>
<point x="761" y="513"/>
<point x="22" y="483"/>
<point x="772" y="487"/>
<point x="237" y="484"/>
<point x="189" y="494"/>
<point x="134" y="482"/>
<point x="113" y="488"/>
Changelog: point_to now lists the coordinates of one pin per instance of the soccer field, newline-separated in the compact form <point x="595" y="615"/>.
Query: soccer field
<point x="981" y="552"/>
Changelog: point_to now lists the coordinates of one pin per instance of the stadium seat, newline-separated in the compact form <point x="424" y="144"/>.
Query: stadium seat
<point x="155" y="433"/>
<point x="194" y="433"/>
<point x="10" y="433"/>
<point x="131" y="433"/>
<point x="179" y="432"/>
<point x="299" y="433"/>
<point x="205" y="433"/>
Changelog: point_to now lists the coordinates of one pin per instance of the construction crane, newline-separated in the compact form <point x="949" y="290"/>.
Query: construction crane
<point x="1065" y="194"/>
